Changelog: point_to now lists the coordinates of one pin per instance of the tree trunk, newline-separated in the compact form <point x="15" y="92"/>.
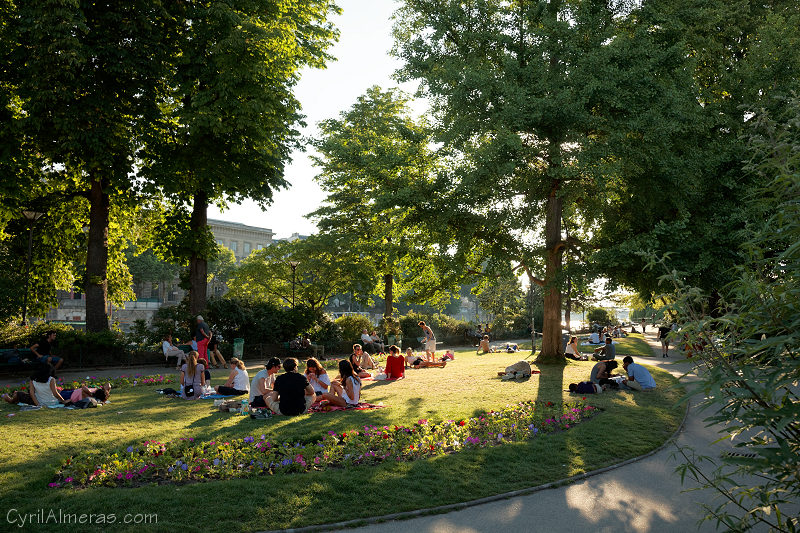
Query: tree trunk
<point x="388" y="295"/>
<point x="568" y="305"/>
<point x="552" y="351"/>
<point x="198" y="265"/>
<point x="97" y="259"/>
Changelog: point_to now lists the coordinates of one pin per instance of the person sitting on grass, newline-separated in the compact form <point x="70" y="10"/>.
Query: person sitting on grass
<point x="484" y="347"/>
<point x="601" y="373"/>
<point x="41" y="350"/>
<point x="293" y="394"/>
<point x="43" y="389"/>
<point x="608" y="352"/>
<point x="263" y="383"/>
<point x="170" y="350"/>
<point x="23" y="396"/>
<point x="346" y="389"/>
<point x="193" y="377"/>
<point x="317" y="376"/>
<point x="213" y="352"/>
<point x="356" y="357"/>
<point x="395" y="369"/>
<point x="638" y="376"/>
<point x="572" y="350"/>
<point x="238" y="381"/>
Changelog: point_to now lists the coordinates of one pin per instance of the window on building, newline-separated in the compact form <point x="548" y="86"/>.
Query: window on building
<point x="246" y="248"/>
<point x="260" y="246"/>
<point x="234" y="246"/>
<point x="220" y="242"/>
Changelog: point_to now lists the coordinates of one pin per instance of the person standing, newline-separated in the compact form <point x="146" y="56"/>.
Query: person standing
<point x="42" y="351"/>
<point x="430" y="340"/>
<point x="293" y="394"/>
<point x="663" y="332"/>
<point x="202" y="334"/>
<point x="644" y="325"/>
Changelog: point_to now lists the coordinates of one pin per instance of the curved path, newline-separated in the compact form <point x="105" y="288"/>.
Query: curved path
<point x="644" y="496"/>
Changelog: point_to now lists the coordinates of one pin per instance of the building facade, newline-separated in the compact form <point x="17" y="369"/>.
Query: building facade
<point x="241" y="239"/>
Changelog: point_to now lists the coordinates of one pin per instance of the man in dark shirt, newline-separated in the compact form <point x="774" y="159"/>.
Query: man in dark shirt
<point x="41" y="350"/>
<point x="292" y="394"/>
<point x="663" y="331"/>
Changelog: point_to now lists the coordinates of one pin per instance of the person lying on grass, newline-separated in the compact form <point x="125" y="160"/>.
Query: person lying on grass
<point x="101" y="394"/>
<point x="415" y="361"/>
<point x="346" y="389"/>
<point x="263" y="383"/>
<point x="238" y="381"/>
<point x="395" y="367"/>
<point x="293" y="394"/>
<point x="317" y="376"/>
<point x="193" y="377"/>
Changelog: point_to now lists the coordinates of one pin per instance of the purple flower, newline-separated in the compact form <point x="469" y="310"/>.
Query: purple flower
<point x="184" y="466"/>
<point x="130" y="449"/>
<point x="170" y="469"/>
<point x="216" y="462"/>
<point x="248" y="440"/>
<point x="285" y="462"/>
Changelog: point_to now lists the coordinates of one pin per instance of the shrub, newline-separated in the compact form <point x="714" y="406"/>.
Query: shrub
<point x="352" y="325"/>
<point x="326" y="332"/>
<point x="599" y="315"/>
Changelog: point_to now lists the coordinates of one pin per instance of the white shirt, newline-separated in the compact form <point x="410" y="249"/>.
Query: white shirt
<point x="322" y="378"/>
<point x="571" y="349"/>
<point x="43" y="393"/>
<point x="268" y="384"/>
<point x="241" y="381"/>
<point x="356" y="392"/>
<point x="366" y="339"/>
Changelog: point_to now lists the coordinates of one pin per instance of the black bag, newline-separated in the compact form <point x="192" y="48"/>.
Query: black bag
<point x="86" y="403"/>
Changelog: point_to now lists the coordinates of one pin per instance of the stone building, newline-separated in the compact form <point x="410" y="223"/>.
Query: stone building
<point x="241" y="239"/>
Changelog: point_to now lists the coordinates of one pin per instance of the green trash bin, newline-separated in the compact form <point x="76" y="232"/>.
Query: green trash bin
<point x="238" y="348"/>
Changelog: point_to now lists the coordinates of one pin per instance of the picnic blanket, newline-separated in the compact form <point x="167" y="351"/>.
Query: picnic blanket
<point x="216" y="396"/>
<point x="329" y="407"/>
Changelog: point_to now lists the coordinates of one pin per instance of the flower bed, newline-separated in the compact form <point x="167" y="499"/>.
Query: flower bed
<point x="185" y="459"/>
<point x="120" y="382"/>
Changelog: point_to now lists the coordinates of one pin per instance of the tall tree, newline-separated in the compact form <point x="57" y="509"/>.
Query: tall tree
<point x="372" y="158"/>
<point x="85" y="76"/>
<point x="229" y="123"/>
<point x="522" y="92"/>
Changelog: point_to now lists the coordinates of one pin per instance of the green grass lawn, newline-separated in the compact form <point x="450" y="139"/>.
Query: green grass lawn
<point x="35" y="443"/>
<point x="634" y="344"/>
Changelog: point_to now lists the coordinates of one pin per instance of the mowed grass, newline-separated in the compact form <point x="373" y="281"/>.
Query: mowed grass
<point x="35" y="443"/>
<point x="634" y="344"/>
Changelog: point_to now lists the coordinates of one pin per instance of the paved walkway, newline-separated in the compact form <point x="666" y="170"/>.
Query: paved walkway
<point x="644" y="496"/>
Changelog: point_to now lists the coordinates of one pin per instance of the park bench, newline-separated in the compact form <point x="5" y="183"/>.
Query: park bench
<point x="17" y="357"/>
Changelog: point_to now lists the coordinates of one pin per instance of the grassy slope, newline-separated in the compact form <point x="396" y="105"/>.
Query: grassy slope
<point x="634" y="344"/>
<point x="36" y="442"/>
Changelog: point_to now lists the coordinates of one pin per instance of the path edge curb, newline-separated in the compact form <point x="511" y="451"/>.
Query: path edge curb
<point x="487" y="499"/>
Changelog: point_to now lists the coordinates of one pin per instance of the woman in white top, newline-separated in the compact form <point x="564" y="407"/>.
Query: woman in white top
<point x="572" y="350"/>
<point x="43" y="390"/>
<point x="346" y="391"/>
<point x="238" y="381"/>
<point x="317" y="376"/>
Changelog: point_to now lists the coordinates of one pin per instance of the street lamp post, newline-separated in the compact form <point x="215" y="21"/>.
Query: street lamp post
<point x="32" y="217"/>
<point x="293" y="264"/>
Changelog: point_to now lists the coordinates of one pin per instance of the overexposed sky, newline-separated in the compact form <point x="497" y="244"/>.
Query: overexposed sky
<point x="362" y="60"/>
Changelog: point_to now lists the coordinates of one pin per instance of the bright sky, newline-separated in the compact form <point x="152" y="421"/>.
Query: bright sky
<point x="363" y="60"/>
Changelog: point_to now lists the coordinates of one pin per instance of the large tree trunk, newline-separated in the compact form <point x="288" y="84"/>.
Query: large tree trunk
<point x="568" y="304"/>
<point x="97" y="259"/>
<point x="198" y="265"/>
<point x="552" y="351"/>
<point x="388" y="295"/>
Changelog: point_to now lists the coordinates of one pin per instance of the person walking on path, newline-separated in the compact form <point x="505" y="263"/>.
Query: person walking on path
<point x="663" y="332"/>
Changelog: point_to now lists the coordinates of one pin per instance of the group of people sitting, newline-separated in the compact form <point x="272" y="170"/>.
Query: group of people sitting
<point x="484" y="347"/>
<point x="372" y="341"/>
<point x="602" y="378"/>
<point x="292" y="393"/>
<point x="477" y="335"/>
<point x="43" y="391"/>
<point x="599" y="335"/>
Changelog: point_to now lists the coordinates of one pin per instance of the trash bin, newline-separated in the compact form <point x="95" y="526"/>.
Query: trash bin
<point x="238" y="348"/>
